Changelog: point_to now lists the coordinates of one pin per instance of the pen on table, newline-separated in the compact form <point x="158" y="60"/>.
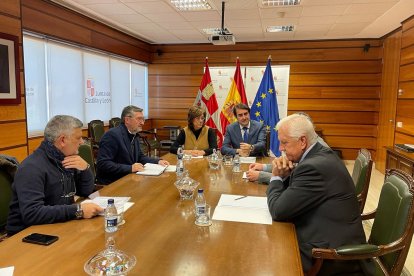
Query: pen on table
<point x="240" y="197"/>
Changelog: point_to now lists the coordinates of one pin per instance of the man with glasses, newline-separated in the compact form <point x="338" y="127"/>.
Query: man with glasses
<point x="119" y="149"/>
<point x="312" y="189"/>
<point x="245" y="137"/>
<point x="47" y="180"/>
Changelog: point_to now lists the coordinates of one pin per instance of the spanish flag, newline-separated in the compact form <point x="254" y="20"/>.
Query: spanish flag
<point x="236" y="95"/>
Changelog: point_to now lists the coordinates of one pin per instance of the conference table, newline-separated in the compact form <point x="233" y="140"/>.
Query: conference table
<point x="161" y="234"/>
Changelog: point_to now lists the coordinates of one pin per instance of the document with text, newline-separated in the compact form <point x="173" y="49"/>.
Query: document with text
<point x="251" y="209"/>
<point x="152" y="169"/>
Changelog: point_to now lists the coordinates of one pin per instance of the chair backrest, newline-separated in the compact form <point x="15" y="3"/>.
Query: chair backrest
<point x="114" y="122"/>
<point x="151" y="141"/>
<point x="85" y="151"/>
<point x="394" y="220"/>
<point x="8" y="166"/>
<point x="96" y="130"/>
<point x="361" y="175"/>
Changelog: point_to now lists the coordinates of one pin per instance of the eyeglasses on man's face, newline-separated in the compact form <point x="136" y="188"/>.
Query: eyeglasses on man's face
<point x="139" y="119"/>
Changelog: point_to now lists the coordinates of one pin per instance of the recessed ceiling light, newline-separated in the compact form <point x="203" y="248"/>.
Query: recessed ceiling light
<point x="272" y="3"/>
<point x="285" y="28"/>
<point x="191" y="5"/>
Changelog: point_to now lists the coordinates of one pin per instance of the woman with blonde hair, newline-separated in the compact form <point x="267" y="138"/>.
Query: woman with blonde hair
<point x="197" y="138"/>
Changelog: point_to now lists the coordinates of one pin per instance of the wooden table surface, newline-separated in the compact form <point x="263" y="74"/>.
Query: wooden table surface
<point x="161" y="233"/>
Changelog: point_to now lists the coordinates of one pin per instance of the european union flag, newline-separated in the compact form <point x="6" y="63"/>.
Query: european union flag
<point x="265" y="109"/>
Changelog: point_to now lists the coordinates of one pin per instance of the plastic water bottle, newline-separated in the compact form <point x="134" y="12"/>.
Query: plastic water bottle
<point x="200" y="207"/>
<point x="111" y="217"/>
<point x="180" y="162"/>
<point x="236" y="163"/>
<point x="214" y="160"/>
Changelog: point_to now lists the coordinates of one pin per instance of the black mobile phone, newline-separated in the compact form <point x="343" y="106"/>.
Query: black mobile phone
<point x="42" y="239"/>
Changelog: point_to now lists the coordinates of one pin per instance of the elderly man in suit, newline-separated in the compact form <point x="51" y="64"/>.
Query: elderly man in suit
<point x="119" y="150"/>
<point x="312" y="188"/>
<point x="245" y="137"/>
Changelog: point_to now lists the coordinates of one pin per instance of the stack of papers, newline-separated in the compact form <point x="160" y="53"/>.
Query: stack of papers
<point x="251" y="209"/>
<point x="152" y="169"/>
<point x="248" y="159"/>
<point x="118" y="201"/>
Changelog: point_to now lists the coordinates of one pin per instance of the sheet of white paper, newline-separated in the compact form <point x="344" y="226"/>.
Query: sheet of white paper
<point x="119" y="201"/>
<point x="7" y="271"/>
<point x="152" y="169"/>
<point x="171" y="168"/>
<point x="197" y="157"/>
<point x="252" y="209"/>
<point x="248" y="159"/>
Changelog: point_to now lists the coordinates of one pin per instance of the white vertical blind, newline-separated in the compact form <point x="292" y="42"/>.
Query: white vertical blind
<point x="65" y="79"/>
<point x="97" y="96"/>
<point x="120" y="86"/>
<point x="35" y="82"/>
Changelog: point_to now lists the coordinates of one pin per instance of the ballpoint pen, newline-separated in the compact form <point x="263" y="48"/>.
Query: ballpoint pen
<point x="240" y="197"/>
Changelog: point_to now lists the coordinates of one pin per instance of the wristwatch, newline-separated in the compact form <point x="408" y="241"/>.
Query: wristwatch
<point x="251" y="148"/>
<point x="79" y="211"/>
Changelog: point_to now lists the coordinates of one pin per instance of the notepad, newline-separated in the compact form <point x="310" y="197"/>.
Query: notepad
<point x="152" y="169"/>
<point x="251" y="209"/>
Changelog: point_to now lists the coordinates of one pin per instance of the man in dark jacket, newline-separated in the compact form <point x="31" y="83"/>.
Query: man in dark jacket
<point x="47" y="181"/>
<point x="312" y="188"/>
<point x="119" y="150"/>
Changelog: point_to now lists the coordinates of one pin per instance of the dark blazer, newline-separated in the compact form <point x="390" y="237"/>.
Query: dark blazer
<point x="115" y="155"/>
<point x="233" y="138"/>
<point x="319" y="198"/>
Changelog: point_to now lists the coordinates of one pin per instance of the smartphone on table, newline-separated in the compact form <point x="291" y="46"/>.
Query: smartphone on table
<point x="42" y="239"/>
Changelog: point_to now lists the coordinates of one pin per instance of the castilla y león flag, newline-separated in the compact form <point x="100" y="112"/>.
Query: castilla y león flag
<point x="206" y="97"/>
<point x="235" y="96"/>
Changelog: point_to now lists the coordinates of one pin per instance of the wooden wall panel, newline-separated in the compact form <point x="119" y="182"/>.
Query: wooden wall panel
<point x="330" y="92"/>
<point x="38" y="16"/>
<point x="13" y="137"/>
<point x="401" y="138"/>
<point x="407" y="72"/>
<point x="20" y="153"/>
<point x="408" y="33"/>
<point x="12" y="134"/>
<point x="406" y="90"/>
<point x="34" y="143"/>
<point x="389" y="87"/>
<point x="336" y="82"/>
<point x="404" y="124"/>
<point x="407" y="55"/>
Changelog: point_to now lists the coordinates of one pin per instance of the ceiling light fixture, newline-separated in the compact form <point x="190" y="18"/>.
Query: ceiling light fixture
<point x="272" y="3"/>
<point x="191" y="5"/>
<point x="275" y="29"/>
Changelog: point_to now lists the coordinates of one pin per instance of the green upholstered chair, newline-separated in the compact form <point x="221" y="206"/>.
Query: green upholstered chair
<point x="96" y="131"/>
<point x="8" y="167"/>
<point x="361" y="175"/>
<point x="392" y="230"/>
<point x="85" y="151"/>
<point x="151" y="145"/>
<point x="114" y="122"/>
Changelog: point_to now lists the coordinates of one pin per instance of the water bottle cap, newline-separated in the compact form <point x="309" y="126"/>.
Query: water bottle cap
<point x="111" y="201"/>
<point x="200" y="191"/>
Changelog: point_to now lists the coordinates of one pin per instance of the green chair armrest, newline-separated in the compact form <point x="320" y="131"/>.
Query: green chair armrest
<point x="357" y="249"/>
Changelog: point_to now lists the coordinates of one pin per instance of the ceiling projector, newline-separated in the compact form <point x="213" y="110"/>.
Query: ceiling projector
<point x="222" y="39"/>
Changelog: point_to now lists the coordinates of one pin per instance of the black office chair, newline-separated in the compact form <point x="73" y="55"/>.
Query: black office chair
<point x="86" y="152"/>
<point x="391" y="233"/>
<point x="152" y="145"/>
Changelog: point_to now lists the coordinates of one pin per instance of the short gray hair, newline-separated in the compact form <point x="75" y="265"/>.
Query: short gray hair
<point x="61" y="124"/>
<point x="129" y="111"/>
<point x="299" y="125"/>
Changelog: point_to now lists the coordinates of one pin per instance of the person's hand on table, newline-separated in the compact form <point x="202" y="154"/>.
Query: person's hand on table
<point x="137" y="167"/>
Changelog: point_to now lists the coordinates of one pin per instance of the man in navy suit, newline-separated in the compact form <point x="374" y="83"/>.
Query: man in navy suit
<point x="245" y="137"/>
<point x="312" y="188"/>
<point x="119" y="150"/>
